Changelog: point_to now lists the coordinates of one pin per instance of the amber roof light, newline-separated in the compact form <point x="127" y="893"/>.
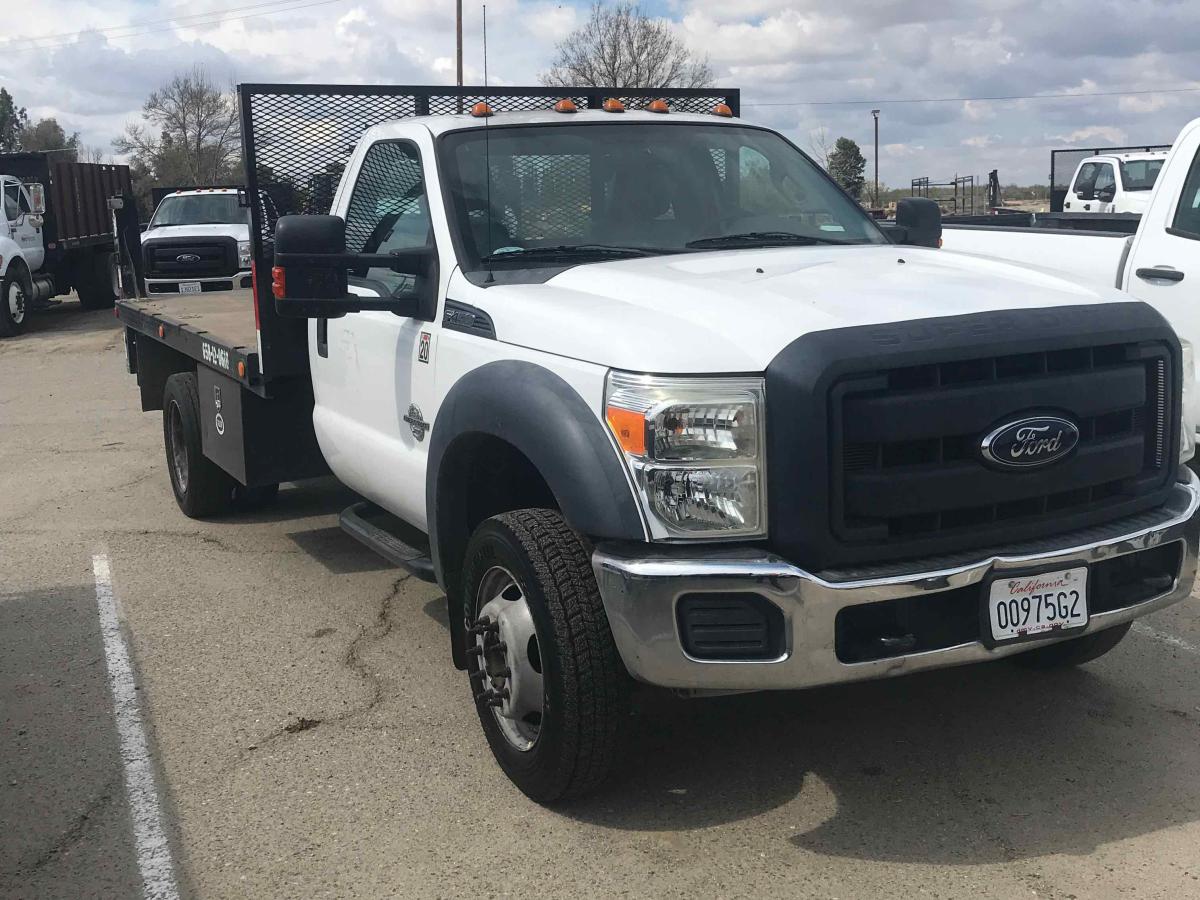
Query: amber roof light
<point x="566" y="105"/>
<point x="612" y="104"/>
<point x="658" y="106"/>
<point x="481" y="110"/>
<point x="722" y="109"/>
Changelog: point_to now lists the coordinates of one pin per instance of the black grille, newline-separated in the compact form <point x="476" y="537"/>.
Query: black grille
<point x="202" y="257"/>
<point x="875" y="432"/>
<point x="906" y="441"/>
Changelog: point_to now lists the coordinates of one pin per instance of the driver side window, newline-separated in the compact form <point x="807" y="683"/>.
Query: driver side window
<point x="12" y="201"/>
<point x="1086" y="179"/>
<point x="388" y="211"/>
<point x="1105" y="179"/>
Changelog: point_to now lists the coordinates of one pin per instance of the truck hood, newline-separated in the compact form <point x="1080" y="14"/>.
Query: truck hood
<point x="733" y="311"/>
<point x="237" y="232"/>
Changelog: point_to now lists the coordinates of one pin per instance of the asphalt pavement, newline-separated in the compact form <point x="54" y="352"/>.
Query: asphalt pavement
<point x="306" y="735"/>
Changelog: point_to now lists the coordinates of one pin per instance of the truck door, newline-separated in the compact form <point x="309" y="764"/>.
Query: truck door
<point x="1082" y="190"/>
<point x="1163" y="267"/>
<point x="372" y="377"/>
<point x="24" y="228"/>
<point x="1106" y="188"/>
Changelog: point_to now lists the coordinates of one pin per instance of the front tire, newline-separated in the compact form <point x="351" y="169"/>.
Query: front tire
<point x="550" y="689"/>
<point x="14" y="302"/>
<point x="1074" y="652"/>
<point x="201" y="487"/>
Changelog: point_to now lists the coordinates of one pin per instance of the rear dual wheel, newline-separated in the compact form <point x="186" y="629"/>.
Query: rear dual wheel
<point x="550" y="689"/>
<point x="201" y="487"/>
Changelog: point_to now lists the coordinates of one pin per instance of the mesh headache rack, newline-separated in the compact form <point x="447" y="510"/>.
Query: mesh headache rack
<point x="297" y="139"/>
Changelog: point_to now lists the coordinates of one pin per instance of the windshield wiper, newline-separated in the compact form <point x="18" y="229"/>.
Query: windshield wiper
<point x="576" y="250"/>
<point x="760" y="239"/>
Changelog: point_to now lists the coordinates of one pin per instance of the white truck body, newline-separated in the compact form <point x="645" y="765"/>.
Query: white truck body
<point x="666" y="404"/>
<point x="1114" y="183"/>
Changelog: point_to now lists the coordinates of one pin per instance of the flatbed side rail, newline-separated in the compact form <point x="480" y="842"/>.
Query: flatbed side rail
<point x="234" y="361"/>
<point x="297" y="139"/>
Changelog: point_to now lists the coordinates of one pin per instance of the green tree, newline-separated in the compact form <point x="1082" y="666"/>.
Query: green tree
<point x="47" y="134"/>
<point x="846" y="165"/>
<point x="12" y="120"/>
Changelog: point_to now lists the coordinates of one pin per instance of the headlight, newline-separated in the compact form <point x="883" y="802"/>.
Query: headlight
<point x="1187" y="433"/>
<point x="244" y="254"/>
<point x="695" y="447"/>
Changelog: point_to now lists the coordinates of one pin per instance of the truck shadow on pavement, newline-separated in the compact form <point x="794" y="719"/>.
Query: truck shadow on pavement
<point x="963" y="766"/>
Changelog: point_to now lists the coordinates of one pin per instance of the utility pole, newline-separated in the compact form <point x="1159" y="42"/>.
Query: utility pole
<point x="875" y="113"/>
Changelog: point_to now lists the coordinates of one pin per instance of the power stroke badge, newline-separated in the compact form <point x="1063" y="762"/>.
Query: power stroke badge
<point x="1029" y="443"/>
<point x="416" y="423"/>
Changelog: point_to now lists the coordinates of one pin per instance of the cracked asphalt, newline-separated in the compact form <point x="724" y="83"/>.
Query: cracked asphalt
<point x="313" y="739"/>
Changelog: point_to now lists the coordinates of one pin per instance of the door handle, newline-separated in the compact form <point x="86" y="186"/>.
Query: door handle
<point x="1159" y="274"/>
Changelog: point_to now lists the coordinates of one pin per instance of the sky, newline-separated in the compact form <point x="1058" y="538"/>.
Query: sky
<point x="803" y="67"/>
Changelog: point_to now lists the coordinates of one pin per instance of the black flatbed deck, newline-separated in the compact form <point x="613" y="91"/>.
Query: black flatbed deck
<point x="215" y="329"/>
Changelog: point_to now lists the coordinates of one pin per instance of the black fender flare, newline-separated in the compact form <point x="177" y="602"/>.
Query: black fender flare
<point x="543" y="417"/>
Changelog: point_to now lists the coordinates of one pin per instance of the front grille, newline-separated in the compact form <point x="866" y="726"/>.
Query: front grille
<point x="906" y="441"/>
<point x="214" y="257"/>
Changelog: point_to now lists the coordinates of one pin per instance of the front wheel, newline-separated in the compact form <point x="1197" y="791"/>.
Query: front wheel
<point x="550" y="689"/>
<point x="14" y="303"/>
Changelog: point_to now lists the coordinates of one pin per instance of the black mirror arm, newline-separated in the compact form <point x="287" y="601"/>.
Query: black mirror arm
<point x="406" y="262"/>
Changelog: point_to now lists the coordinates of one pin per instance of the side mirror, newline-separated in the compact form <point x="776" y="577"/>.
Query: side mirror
<point x="1107" y="195"/>
<point x="1086" y="193"/>
<point x="310" y="277"/>
<point x="37" y="198"/>
<point x="921" y="221"/>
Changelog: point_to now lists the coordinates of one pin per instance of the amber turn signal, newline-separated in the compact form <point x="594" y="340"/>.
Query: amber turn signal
<point x="629" y="428"/>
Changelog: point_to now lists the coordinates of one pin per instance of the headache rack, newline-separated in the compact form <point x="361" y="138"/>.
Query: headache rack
<point x="298" y="138"/>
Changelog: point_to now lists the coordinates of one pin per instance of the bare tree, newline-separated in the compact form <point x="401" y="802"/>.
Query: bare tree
<point x="819" y="147"/>
<point x="620" y="46"/>
<point x="189" y="134"/>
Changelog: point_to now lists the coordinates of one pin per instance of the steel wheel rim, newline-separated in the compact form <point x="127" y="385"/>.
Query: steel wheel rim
<point x="178" y="447"/>
<point x="505" y="664"/>
<point x="16" y="302"/>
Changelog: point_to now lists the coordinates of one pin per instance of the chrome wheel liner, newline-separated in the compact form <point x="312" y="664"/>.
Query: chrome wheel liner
<point x="178" y="448"/>
<point x="16" y="301"/>
<point x="506" y="658"/>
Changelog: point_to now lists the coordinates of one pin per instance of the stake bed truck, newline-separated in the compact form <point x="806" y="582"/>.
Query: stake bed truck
<point x="655" y="401"/>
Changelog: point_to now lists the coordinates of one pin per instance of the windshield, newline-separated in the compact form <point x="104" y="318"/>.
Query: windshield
<point x="200" y="209"/>
<point x="1139" y="174"/>
<point x="590" y="192"/>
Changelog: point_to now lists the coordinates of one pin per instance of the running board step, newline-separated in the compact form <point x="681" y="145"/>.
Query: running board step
<point x="369" y="524"/>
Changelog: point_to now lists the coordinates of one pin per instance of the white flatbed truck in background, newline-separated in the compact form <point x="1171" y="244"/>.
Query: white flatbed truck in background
<point x="654" y="401"/>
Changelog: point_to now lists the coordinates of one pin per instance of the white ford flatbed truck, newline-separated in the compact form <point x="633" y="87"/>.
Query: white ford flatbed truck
<point x="654" y="401"/>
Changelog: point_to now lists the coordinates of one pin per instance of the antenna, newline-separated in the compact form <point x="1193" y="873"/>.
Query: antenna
<point x="487" y="145"/>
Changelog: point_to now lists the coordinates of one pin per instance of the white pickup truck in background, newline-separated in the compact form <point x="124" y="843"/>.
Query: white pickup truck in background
<point x="198" y="240"/>
<point x="1159" y="264"/>
<point x="1114" y="182"/>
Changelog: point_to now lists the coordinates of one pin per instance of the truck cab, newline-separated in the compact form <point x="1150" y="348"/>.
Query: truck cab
<point x="1115" y="183"/>
<point x="198" y="240"/>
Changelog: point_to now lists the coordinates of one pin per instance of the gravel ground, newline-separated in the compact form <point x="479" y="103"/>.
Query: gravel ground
<point x="312" y="739"/>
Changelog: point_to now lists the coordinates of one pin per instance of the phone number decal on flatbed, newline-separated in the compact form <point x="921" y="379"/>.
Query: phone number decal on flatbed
<point x="214" y="355"/>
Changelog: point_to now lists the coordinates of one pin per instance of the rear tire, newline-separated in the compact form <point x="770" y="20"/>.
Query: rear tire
<point x="14" y="301"/>
<point x="1074" y="652"/>
<point x="95" y="285"/>
<point x="532" y="558"/>
<point x="201" y="487"/>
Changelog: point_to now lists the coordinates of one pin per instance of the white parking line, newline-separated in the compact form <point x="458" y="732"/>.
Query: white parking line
<point x="1163" y="638"/>
<point x="150" y="840"/>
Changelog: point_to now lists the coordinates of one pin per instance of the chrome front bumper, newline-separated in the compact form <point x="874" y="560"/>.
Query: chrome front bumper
<point x="640" y="591"/>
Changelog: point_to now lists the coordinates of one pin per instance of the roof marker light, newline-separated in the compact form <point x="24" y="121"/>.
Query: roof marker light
<point x="722" y="109"/>
<point x="612" y="104"/>
<point x="658" y="106"/>
<point x="566" y="105"/>
<point x="481" y="110"/>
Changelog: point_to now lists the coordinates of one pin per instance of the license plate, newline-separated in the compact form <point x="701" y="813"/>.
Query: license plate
<point x="1029" y="605"/>
<point x="189" y="287"/>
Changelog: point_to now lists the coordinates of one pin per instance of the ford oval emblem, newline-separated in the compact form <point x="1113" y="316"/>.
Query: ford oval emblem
<point x="187" y="257"/>
<point x="1032" y="442"/>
